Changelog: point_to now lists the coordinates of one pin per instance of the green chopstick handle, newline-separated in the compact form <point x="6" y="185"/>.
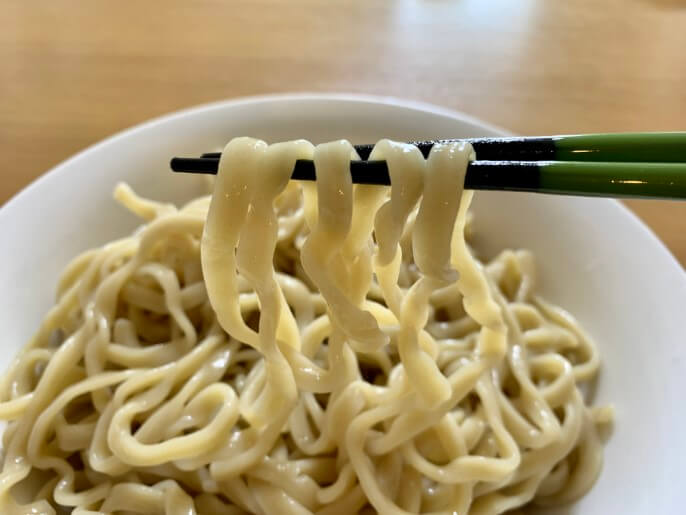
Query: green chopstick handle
<point x="665" y="147"/>
<point x="657" y="180"/>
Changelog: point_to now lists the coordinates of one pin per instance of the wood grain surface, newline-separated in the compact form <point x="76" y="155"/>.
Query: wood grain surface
<point x="75" y="71"/>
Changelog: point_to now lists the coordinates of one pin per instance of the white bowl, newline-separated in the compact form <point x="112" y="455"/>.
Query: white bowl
<point x="595" y="259"/>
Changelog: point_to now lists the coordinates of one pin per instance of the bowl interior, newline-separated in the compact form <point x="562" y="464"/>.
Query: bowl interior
<point x="594" y="258"/>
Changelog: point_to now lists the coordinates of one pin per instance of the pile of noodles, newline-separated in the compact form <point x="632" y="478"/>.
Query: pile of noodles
<point x="290" y="348"/>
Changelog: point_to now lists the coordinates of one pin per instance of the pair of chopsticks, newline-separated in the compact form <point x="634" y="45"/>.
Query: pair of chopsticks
<point x="648" y="164"/>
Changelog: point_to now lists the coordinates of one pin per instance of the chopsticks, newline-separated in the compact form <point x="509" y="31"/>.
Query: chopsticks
<point x="615" y="165"/>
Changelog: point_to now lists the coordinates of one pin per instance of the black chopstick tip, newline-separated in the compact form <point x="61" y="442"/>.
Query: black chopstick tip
<point x="194" y="165"/>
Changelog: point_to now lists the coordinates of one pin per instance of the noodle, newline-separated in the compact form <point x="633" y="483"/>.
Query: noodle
<point x="302" y="348"/>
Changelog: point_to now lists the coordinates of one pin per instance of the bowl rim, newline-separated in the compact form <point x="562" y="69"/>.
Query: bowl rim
<point x="59" y="168"/>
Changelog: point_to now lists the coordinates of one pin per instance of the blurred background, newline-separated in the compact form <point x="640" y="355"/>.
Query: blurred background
<point x="74" y="72"/>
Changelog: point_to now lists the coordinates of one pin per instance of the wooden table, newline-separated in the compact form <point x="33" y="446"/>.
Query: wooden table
<point x="74" y="72"/>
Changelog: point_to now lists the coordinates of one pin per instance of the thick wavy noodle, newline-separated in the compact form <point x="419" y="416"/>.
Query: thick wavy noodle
<point x="287" y="348"/>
